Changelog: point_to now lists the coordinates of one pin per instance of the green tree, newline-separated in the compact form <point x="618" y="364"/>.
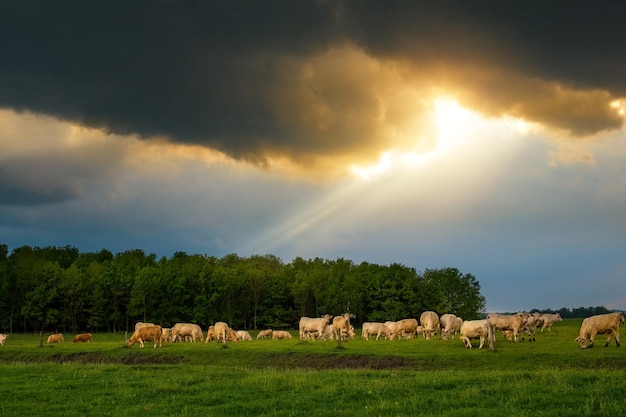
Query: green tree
<point x="450" y="291"/>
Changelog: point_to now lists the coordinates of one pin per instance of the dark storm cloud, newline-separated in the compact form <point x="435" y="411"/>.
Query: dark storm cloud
<point x="232" y="75"/>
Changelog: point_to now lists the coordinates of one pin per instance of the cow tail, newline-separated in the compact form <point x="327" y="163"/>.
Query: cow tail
<point x="492" y="340"/>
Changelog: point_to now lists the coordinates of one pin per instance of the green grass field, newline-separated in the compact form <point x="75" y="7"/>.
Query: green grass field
<point x="549" y="377"/>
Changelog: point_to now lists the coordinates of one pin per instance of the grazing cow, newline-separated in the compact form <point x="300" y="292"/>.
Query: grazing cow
<point x="549" y="319"/>
<point x="264" y="333"/>
<point x="450" y="324"/>
<point x="373" y="328"/>
<point x="55" y="338"/>
<point x="406" y="328"/>
<point x="181" y="331"/>
<point x="244" y="335"/>
<point x="514" y="322"/>
<point x="281" y="334"/>
<point x="221" y="331"/>
<point x="477" y="329"/>
<point x="601" y="324"/>
<point x="232" y="335"/>
<point x="430" y="324"/>
<point x="85" y="337"/>
<point x="167" y="334"/>
<point x="210" y="334"/>
<point x="341" y="325"/>
<point x="310" y="326"/>
<point x="3" y="338"/>
<point x="145" y="333"/>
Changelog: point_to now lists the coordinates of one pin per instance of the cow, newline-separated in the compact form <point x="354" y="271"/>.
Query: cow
<point x="373" y="328"/>
<point x="85" y="337"/>
<point x="406" y="328"/>
<point x="210" y="334"/>
<point x="167" y="334"/>
<point x="244" y="335"/>
<point x="264" y="333"/>
<point x="313" y="325"/>
<point x="450" y="324"/>
<point x="141" y="324"/>
<point x="221" y="331"/>
<point x="601" y="324"/>
<point x="549" y="319"/>
<point x="514" y="322"/>
<point x="530" y="327"/>
<point x="281" y="334"/>
<point x="3" y="338"/>
<point x="55" y="338"/>
<point x="145" y="333"/>
<point x="329" y="333"/>
<point x="477" y="329"/>
<point x="430" y="324"/>
<point x="232" y="335"/>
<point x="181" y="331"/>
<point x="341" y="325"/>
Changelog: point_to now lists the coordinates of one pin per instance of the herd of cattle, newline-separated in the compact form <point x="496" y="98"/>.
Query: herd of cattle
<point x="327" y="327"/>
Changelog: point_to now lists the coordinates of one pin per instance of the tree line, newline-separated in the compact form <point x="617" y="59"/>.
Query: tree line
<point x="62" y="289"/>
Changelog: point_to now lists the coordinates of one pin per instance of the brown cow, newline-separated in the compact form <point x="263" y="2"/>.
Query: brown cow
<point x="145" y="333"/>
<point x="602" y="324"/>
<point x="84" y="337"/>
<point x="55" y="338"/>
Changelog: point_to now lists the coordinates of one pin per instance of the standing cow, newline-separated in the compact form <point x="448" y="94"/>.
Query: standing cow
<point x="601" y="324"/>
<point x="477" y="329"/>
<point x="341" y="325"/>
<point x="313" y="326"/>
<point x="3" y="338"/>
<point x="145" y="333"/>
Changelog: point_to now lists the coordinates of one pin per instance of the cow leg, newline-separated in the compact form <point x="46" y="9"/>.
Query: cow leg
<point x="608" y="338"/>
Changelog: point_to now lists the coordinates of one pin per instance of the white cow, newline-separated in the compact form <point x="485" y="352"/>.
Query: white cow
<point x="503" y="322"/>
<point x="430" y="324"/>
<point x="310" y="326"/>
<point x="450" y="325"/>
<point x="477" y="329"/>
<point x="243" y="335"/>
<point x="549" y="319"/>
<point x="182" y="330"/>
<point x="3" y="338"/>
<point x="373" y="328"/>
<point x="601" y="324"/>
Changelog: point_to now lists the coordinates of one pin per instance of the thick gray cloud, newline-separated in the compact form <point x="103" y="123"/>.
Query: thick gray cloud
<point x="237" y="76"/>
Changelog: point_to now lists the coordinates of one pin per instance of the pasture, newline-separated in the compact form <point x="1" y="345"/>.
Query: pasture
<point x="549" y="377"/>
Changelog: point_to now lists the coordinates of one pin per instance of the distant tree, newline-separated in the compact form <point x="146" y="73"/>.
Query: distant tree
<point x="450" y="291"/>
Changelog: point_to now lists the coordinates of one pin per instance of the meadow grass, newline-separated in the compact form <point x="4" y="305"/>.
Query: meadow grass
<point x="549" y="377"/>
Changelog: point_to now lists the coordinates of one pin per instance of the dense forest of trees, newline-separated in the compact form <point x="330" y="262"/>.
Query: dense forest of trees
<point x="62" y="289"/>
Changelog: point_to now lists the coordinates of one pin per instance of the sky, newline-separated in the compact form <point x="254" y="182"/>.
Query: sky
<point x="486" y="136"/>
